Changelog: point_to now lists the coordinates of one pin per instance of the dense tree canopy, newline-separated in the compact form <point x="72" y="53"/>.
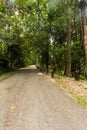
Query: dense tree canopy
<point x="46" y="33"/>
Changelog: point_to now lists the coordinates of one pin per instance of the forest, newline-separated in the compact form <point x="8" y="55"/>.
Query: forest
<point x="48" y="33"/>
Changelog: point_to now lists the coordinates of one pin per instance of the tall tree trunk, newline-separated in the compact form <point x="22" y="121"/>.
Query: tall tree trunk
<point x="82" y="6"/>
<point x="85" y="44"/>
<point x="68" y="49"/>
<point x="38" y="12"/>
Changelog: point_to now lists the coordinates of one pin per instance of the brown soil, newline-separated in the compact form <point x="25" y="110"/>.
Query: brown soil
<point x="76" y="88"/>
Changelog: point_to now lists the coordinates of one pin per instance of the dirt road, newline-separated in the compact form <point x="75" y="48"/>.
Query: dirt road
<point x="31" y="101"/>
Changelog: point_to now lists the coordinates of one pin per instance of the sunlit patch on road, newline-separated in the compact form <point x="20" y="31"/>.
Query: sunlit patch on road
<point x="32" y="67"/>
<point x="40" y="73"/>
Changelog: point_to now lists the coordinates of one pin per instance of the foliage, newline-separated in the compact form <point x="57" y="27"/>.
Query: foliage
<point x="27" y="26"/>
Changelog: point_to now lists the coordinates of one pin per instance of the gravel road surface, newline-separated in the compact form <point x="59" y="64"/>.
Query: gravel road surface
<point x="29" y="100"/>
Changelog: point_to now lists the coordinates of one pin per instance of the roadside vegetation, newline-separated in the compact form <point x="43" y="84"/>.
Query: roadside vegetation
<point x="46" y="33"/>
<point x="5" y="75"/>
<point x="77" y="89"/>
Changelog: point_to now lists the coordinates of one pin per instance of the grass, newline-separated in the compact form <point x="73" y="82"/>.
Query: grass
<point x="67" y="86"/>
<point x="82" y="100"/>
<point x="5" y="75"/>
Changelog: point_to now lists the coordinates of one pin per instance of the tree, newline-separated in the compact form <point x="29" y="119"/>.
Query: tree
<point x="68" y="39"/>
<point x="26" y="30"/>
<point x="82" y="6"/>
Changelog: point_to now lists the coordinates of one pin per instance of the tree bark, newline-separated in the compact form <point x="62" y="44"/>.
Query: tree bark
<point x="68" y="49"/>
<point x="84" y="32"/>
<point x="85" y="45"/>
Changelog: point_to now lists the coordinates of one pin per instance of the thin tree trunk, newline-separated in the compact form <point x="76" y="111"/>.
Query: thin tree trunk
<point x="39" y="17"/>
<point x="85" y="45"/>
<point x="47" y="59"/>
<point x="68" y="50"/>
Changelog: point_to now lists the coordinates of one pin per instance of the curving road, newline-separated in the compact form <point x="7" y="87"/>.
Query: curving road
<point x="29" y="100"/>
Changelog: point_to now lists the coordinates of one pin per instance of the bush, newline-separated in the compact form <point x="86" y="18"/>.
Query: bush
<point x="81" y="77"/>
<point x="3" y="70"/>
